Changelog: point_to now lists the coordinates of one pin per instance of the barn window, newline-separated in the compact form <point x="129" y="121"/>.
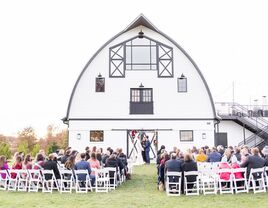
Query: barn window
<point x="141" y="53"/>
<point x="182" y="84"/>
<point x="186" y="136"/>
<point x="141" y="101"/>
<point x="96" y="136"/>
<point x="100" y="84"/>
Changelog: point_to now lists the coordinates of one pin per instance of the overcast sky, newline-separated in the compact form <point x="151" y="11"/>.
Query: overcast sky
<point x="44" y="45"/>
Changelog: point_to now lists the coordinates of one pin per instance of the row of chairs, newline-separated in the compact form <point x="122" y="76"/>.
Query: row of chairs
<point x="33" y="180"/>
<point x="207" y="181"/>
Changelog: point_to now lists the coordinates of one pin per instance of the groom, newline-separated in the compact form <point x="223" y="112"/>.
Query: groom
<point x="147" y="149"/>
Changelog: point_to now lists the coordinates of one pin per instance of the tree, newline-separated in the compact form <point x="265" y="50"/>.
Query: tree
<point x="23" y="147"/>
<point x="35" y="150"/>
<point x="53" y="147"/>
<point x="27" y="139"/>
<point x="5" y="150"/>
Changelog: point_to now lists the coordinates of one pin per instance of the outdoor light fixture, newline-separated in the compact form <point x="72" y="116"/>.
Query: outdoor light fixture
<point x="141" y="85"/>
<point x="78" y="136"/>
<point x="204" y="136"/>
<point x="99" y="75"/>
<point x="141" y="34"/>
<point x="182" y="76"/>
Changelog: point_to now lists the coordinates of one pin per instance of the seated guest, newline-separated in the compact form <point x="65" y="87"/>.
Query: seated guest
<point x="17" y="165"/>
<point x="214" y="156"/>
<point x="229" y="157"/>
<point x="173" y="165"/>
<point x="189" y="165"/>
<point x="220" y="149"/>
<point x="265" y="155"/>
<point x="27" y="163"/>
<point x="201" y="157"/>
<point x="112" y="162"/>
<point x="94" y="163"/>
<point x="51" y="164"/>
<point x="3" y="165"/>
<point x="39" y="162"/>
<point x="237" y="154"/>
<point x="105" y="157"/>
<point x="65" y="156"/>
<point x="69" y="165"/>
<point x="253" y="161"/>
<point x="82" y="165"/>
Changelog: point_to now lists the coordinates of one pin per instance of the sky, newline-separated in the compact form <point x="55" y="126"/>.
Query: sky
<point x="44" y="46"/>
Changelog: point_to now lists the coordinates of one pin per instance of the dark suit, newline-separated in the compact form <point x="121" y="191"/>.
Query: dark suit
<point x="189" y="166"/>
<point x="82" y="165"/>
<point x="52" y="165"/>
<point x="173" y="165"/>
<point x="253" y="161"/>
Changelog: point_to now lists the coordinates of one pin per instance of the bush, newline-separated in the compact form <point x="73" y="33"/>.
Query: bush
<point x="5" y="150"/>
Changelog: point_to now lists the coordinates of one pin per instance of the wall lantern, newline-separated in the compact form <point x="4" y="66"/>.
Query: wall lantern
<point x="204" y="136"/>
<point x="141" y="85"/>
<point x="78" y="136"/>
<point x="141" y="34"/>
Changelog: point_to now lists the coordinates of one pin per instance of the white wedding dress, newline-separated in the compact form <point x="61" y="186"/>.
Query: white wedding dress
<point x="137" y="152"/>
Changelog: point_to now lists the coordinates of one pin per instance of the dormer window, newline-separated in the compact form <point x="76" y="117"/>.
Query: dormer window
<point x="141" y="53"/>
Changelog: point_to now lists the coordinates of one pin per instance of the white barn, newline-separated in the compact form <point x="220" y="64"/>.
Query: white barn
<point x="141" y="80"/>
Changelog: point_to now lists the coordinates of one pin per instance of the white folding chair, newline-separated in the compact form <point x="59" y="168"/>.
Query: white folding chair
<point x="49" y="181"/>
<point x="35" y="180"/>
<point x="23" y="179"/>
<point x="173" y="183"/>
<point x="102" y="180"/>
<point x="12" y="179"/>
<point x="225" y="177"/>
<point x="208" y="181"/>
<point x="191" y="187"/>
<point x="66" y="180"/>
<point x="3" y="179"/>
<point x="112" y="176"/>
<point x="256" y="180"/>
<point x="266" y="176"/>
<point x="82" y="181"/>
<point x="240" y="183"/>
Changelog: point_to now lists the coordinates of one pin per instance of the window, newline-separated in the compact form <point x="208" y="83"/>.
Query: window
<point x="182" y="84"/>
<point x="141" y="54"/>
<point x="143" y="95"/>
<point x="100" y="84"/>
<point x="186" y="136"/>
<point x="96" y="136"/>
<point x="141" y="101"/>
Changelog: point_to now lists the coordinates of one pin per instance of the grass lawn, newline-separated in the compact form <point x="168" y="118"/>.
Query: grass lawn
<point x="139" y="192"/>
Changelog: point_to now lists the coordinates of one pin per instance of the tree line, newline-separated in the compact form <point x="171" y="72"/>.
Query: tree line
<point x="27" y="141"/>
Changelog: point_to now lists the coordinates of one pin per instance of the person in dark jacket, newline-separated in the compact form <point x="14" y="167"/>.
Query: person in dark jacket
<point x="189" y="165"/>
<point x="253" y="161"/>
<point x="214" y="156"/>
<point x="65" y="157"/>
<point x="82" y="165"/>
<point x="147" y="149"/>
<point x="173" y="165"/>
<point x="51" y="164"/>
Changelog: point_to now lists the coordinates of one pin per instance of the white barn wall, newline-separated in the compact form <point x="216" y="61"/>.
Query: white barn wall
<point x="234" y="132"/>
<point x="168" y="102"/>
<point x="115" y="133"/>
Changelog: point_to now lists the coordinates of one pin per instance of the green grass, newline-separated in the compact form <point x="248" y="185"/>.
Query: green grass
<point x="141" y="191"/>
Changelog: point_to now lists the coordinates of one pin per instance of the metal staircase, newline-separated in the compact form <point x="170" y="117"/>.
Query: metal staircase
<point x="252" y="121"/>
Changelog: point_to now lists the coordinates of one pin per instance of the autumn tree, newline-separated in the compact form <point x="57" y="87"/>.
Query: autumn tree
<point x="26" y="139"/>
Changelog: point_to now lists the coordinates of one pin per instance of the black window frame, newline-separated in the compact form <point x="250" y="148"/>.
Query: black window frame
<point x="91" y="131"/>
<point x="118" y="59"/>
<point x="181" y="131"/>
<point x="141" y="95"/>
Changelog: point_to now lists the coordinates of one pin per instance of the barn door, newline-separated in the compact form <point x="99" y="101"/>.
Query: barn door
<point x="134" y="142"/>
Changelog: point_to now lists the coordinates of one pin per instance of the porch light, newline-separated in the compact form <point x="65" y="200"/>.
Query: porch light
<point x="141" y="34"/>
<point x="141" y="85"/>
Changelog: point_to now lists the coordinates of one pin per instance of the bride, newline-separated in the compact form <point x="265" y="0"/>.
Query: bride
<point x="137" y="150"/>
